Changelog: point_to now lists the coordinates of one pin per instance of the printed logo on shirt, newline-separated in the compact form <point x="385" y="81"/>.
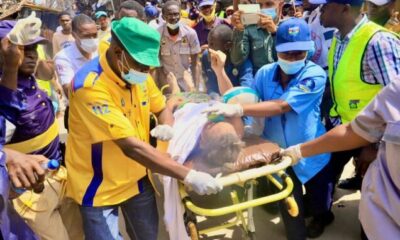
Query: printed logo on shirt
<point x="306" y="85"/>
<point x="294" y="31"/>
<point x="100" y="109"/>
<point x="318" y="46"/>
<point x="353" y="104"/>
<point x="66" y="44"/>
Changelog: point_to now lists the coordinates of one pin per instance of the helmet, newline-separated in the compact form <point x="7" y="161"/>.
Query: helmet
<point x="242" y="95"/>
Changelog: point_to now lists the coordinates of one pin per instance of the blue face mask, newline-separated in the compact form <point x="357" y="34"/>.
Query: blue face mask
<point x="133" y="76"/>
<point x="269" y="12"/>
<point x="291" y="68"/>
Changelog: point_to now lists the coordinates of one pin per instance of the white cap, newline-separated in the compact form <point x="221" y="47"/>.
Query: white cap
<point x="379" y="2"/>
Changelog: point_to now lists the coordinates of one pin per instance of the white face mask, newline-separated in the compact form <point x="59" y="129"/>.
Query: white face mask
<point x="173" y="26"/>
<point x="89" y="45"/>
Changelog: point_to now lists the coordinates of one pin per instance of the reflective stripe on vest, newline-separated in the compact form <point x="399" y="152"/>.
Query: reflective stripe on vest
<point x="350" y="93"/>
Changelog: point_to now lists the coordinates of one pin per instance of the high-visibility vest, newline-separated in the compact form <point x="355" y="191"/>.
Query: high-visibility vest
<point x="350" y="93"/>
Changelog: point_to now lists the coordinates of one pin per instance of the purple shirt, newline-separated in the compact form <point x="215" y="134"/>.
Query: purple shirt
<point x="32" y="113"/>
<point x="202" y="30"/>
<point x="11" y="225"/>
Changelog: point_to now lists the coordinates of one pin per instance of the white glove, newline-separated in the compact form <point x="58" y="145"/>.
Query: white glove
<point x="162" y="132"/>
<point x="202" y="183"/>
<point x="293" y="152"/>
<point x="26" y="30"/>
<point x="226" y="110"/>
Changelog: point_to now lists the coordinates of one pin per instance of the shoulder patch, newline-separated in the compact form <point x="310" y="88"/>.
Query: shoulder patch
<point x="87" y="75"/>
<point x="306" y="85"/>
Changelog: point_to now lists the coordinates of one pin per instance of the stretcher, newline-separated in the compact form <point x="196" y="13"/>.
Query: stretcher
<point x="274" y="172"/>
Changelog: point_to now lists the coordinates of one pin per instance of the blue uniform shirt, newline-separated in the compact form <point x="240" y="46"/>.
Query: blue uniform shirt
<point x="241" y="75"/>
<point x="303" y="93"/>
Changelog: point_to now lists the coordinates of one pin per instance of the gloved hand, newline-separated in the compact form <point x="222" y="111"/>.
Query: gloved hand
<point x="202" y="183"/>
<point x="162" y="132"/>
<point x="26" y="30"/>
<point x="227" y="110"/>
<point x="293" y="152"/>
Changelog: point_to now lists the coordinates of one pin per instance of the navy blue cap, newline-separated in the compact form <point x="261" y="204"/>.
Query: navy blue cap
<point x="151" y="11"/>
<point x="350" y="2"/>
<point x="7" y="25"/>
<point x="293" y="35"/>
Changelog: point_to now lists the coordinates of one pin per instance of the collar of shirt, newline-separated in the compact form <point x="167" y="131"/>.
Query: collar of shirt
<point x="26" y="82"/>
<point x="310" y="16"/>
<point x="351" y="33"/>
<point x="109" y="72"/>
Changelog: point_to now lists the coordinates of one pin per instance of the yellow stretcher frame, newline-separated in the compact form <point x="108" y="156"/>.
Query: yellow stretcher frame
<point x="241" y="178"/>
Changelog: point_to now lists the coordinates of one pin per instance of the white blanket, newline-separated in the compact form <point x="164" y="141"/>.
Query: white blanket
<point x="189" y="122"/>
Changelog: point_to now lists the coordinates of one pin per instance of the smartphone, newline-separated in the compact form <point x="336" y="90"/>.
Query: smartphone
<point x="250" y="13"/>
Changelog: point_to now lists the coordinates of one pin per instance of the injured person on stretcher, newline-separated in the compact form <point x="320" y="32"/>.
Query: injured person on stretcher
<point x="207" y="143"/>
<point x="214" y="144"/>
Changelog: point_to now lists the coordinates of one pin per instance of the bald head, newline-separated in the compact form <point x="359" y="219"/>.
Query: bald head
<point x="220" y="38"/>
<point x="219" y="144"/>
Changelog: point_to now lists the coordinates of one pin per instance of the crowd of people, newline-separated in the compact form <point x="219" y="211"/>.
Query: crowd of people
<point x="326" y="72"/>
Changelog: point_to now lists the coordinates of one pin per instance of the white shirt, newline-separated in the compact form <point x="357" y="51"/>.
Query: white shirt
<point x="188" y="125"/>
<point x="68" y="61"/>
<point x="154" y="24"/>
<point x="321" y="36"/>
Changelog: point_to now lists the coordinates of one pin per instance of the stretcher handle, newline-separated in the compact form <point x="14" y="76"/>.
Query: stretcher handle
<point x="241" y="177"/>
<point x="284" y="193"/>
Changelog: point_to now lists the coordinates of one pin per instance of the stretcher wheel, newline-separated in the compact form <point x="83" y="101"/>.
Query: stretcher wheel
<point x="193" y="231"/>
<point x="292" y="207"/>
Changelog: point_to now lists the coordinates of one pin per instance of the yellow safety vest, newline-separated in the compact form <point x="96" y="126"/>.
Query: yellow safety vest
<point x="44" y="85"/>
<point x="350" y="93"/>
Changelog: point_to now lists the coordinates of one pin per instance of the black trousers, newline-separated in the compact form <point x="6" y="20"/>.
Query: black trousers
<point x="340" y="159"/>
<point x="316" y="202"/>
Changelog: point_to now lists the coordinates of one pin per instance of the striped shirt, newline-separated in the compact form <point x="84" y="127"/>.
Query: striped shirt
<point x="381" y="61"/>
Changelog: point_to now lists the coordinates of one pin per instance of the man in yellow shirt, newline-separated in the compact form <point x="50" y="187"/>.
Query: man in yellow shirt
<point x="108" y="147"/>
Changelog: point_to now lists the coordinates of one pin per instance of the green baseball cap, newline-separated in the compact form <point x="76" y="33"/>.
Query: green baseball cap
<point x="140" y="40"/>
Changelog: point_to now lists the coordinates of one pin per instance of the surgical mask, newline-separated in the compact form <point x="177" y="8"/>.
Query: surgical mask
<point x="89" y="45"/>
<point x="173" y="26"/>
<point x="291" y="68"/>
<point x="269" y="12"/>
<point x="209" y="18"/>
<point x="133" y="76"/>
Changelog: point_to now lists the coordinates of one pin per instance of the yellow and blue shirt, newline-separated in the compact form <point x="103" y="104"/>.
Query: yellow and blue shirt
<point x="103" y="108"/>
